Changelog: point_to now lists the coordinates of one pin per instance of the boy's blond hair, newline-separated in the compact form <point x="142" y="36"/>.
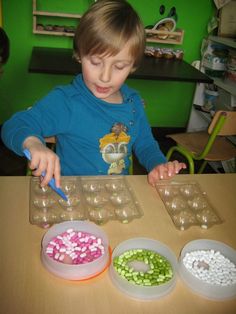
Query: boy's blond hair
<point x="105" y="29"/>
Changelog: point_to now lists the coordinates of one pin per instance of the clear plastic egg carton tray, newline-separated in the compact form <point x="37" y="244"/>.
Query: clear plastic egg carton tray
<point x="98" y="199"/>
<point x="187" y="204"/>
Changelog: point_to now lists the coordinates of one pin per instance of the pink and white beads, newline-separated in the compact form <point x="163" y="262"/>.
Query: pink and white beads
<point x="75" y="247"/>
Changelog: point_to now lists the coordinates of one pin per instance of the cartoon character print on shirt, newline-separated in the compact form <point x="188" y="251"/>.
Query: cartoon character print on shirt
<point x="113" y="147"/>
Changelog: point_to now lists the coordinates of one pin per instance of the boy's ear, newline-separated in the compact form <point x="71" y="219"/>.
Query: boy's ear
<point x="76" y="57"/>
<point x="133" y="69"/>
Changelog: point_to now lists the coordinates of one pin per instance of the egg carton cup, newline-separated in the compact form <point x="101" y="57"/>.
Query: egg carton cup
<point x="144" y="293"/>
<point x="198" y="286"/>
<point x="98" y="199"/>
<point x="77" y="271"/>
<point x="187" y="204"/>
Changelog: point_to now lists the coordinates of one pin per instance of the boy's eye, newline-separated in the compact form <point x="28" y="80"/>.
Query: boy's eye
<point x="120" y="66"/>
<point x="95" y="61"/>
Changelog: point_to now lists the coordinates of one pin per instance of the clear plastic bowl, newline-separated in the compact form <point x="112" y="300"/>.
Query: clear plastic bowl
<point x="79" y="271"/>
<point x="138" y="291"/>
<point x="200" y="287"/>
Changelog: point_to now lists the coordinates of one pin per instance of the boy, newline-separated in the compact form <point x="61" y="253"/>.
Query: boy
<point x="97" y="120"/>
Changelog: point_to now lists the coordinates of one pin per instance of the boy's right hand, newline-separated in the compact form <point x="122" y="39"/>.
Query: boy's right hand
<point x="43" y="159"/>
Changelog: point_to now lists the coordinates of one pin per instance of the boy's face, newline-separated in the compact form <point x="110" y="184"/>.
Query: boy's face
<point x="104" y="75"/>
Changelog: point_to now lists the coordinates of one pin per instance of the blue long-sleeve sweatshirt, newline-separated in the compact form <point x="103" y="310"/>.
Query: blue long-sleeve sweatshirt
<point x="93" y="137"/>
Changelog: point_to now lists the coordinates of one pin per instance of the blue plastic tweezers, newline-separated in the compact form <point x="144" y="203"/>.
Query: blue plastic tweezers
<point x="51" y="182"/>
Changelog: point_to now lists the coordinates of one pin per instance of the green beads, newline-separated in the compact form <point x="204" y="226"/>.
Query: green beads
<point x="158" y="271"/>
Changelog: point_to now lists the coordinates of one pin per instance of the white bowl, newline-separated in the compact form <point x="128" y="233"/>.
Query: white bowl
<point x="138" y="291"/>
<point x="77" y="271"/>
<point x="198" y="286"/>
<point x="168" y="23"/>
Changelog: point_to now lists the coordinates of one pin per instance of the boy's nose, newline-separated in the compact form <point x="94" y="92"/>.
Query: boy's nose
<point x="105" y="74"/>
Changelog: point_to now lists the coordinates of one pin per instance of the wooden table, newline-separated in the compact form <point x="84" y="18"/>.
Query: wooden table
<point x="26" y="287"/>
<point x="60" y="61"/>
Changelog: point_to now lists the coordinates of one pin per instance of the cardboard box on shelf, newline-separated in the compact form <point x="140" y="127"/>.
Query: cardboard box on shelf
<point x="227" y="22"/>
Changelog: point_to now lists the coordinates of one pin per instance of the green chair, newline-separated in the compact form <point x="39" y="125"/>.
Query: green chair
<point x="210" y="145"/>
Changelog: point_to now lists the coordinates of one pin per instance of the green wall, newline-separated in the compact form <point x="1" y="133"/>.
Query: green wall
<point x="167" y="103"/>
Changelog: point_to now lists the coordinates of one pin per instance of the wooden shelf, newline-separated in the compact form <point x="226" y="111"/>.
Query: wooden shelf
<point x="225" y="84"/>
<point x="165" y="37"/>
<point x="224" y="41"/>
<point x="53" y="32"/>
<point x="66" y="15"/>
<point x="60" y="61"/>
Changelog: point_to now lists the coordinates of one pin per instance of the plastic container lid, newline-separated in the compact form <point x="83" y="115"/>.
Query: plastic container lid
<point x="78" y="271"/>
<point x="138" y="291"/>
<point x="198" y="286"/>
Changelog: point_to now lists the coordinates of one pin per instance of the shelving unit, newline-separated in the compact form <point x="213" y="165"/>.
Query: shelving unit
<point x="227" y="90"/>
<point x="153" y="36"/>
<point x="56" y="31"/>
<point x="165" y="37"/>
<point x="225" y="84"/>
<point x="200" y="120"/>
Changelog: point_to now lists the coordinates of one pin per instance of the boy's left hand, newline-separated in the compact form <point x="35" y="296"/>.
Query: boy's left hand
<point x="165" y="171"/>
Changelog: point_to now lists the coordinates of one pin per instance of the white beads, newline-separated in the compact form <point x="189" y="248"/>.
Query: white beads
<point x="211" y="267"/>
